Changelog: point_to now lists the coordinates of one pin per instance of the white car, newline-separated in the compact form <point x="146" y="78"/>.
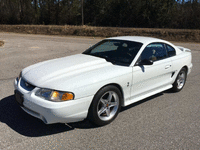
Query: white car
<point x="115" y="72"/>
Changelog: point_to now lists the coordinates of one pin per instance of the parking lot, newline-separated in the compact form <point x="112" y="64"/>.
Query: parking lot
<point x="164" y="121"/>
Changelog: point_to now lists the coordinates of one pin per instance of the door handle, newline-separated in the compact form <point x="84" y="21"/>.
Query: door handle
<point x="168" y="66"/>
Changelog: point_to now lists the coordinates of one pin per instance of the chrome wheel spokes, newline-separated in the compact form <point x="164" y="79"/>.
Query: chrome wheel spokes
<point x="108" y="105"/>
<point x="181" y="80"/>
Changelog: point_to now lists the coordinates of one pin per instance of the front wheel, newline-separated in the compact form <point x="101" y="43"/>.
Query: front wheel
<point x="105" y="106"/>
<point x="180" y="80"/>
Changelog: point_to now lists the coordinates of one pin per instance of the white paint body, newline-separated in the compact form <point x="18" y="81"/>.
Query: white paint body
<point x="85" y="75"/>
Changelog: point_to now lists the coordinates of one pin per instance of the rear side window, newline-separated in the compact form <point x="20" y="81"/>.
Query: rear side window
<point x="171" y="51"/>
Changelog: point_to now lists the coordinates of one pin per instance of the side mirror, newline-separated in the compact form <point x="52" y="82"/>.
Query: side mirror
<point x="145" y="62"/>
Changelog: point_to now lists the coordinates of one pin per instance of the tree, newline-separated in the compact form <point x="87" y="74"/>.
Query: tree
<point x="117" y="13"/>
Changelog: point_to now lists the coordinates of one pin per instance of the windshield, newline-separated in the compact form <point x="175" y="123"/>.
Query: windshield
<point x="118" y="52"/>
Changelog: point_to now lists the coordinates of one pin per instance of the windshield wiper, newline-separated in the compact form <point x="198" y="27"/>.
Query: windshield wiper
<point x="109" y="59"/>
<point x="104" y="57"/>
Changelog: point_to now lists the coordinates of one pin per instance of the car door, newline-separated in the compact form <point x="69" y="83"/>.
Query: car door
<point x="148" y="79"/>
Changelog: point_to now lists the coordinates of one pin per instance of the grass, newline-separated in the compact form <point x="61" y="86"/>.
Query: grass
<point x="181" y="35"/>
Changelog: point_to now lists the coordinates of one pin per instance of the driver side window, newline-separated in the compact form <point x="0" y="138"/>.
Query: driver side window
<point x="154" y="52"/>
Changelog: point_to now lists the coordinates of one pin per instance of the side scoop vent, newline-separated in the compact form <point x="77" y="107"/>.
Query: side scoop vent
<point x="172" y="74"/>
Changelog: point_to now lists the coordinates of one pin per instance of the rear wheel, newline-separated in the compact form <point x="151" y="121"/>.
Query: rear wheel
<point x="105" y="106"/>
<point x="180" y="80"/>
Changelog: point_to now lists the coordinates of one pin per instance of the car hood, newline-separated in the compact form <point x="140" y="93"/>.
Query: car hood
<point x="49" y="72"/>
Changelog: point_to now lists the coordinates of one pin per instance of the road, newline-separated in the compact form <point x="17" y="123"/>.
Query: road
<point x="164" y="121"/>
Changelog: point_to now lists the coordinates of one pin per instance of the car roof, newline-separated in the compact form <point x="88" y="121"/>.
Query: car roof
<point x="141" y="39"/>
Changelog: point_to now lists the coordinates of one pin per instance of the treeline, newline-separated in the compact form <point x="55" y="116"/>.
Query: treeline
<point x="184" y="14"/>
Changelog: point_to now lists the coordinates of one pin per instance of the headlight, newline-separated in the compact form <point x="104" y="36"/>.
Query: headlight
<point x="53" y="95"/>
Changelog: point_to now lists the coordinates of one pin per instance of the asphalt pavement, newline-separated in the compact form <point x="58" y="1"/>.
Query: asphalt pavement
<point x="164" y="121"/>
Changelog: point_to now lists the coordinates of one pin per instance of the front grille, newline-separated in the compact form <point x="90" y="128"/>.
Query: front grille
<point x="25" y="85"/>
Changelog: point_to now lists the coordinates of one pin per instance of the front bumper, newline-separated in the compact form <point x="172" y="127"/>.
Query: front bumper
<point x="53" y="112"/>
<point x="190" y="68"/>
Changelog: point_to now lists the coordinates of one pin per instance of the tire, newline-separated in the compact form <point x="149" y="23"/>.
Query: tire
<point x="180" y="80"/>
<point x="105" y="106"/>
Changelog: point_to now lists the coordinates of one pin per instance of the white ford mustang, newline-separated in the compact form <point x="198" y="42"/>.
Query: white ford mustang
<point x="95" y="84"/>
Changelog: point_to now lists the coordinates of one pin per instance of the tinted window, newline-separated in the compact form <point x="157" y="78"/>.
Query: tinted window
<point x="118" y="52"/>
<point x="171" y="51"/>
<point x="105" y="47"/>
<point x="154" y="52"/>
